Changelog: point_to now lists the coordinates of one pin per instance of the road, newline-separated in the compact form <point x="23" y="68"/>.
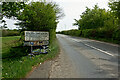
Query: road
<point x="86" y="58"/>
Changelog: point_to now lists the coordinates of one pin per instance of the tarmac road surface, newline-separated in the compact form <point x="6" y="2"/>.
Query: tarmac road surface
<point x="81" y="58"/>
<point x="86" y="58"/>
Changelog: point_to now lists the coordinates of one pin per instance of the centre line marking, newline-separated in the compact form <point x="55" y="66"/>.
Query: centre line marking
<point x="100" y="50"/>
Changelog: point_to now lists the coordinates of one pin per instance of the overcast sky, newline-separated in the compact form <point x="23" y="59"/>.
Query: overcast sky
<point x="72" y="10"/>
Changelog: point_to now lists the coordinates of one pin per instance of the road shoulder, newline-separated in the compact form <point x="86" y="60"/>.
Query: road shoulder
<point x="62" y="67"/>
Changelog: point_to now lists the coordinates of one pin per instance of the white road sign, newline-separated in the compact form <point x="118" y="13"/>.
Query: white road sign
<point x="36" y="36"/>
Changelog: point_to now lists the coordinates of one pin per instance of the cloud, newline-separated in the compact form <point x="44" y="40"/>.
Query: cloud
<point x="74" y="8"/>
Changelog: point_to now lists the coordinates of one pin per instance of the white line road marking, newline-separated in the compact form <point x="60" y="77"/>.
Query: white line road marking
<point x="80" y="40"/>
<point x="76" y="40"/>
<point x="94" y="48"/>
<point x="100" y="50"/>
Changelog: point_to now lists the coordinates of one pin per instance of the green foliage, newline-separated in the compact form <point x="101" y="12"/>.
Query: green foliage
<point x="10" y="33"/>
<point x="11" y="47"/>
<point x="71" y="32"/>
<point x="4" y="25"/>
<point x="116" y="35"/>
<point x="12" y="9"/>
<point x="35" y="16"/>
<point x="99" y="23"/>
<point x="94" y="18"/>
<point x="97" y="33"/>
<point x="115" y="7"/>
<point x="110" y="35"/>
<point x="52" y="35"/>
<point x="19" y="66"/>
<point x="39" y="16"/>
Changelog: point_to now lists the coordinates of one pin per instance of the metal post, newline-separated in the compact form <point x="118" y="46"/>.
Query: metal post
<point x="31" y="49"/>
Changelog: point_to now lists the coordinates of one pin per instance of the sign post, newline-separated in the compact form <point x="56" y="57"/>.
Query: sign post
<point x="31" y="46"/>
<point x="36" y="38"/>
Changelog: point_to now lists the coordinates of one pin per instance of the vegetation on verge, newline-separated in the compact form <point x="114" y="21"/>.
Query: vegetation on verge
<point x="35" y="16"/>
<point x="103" y="35"/>
<point x="99" y="23"/>
<point x="8" y="32"/>
<point x="18" y="66"/>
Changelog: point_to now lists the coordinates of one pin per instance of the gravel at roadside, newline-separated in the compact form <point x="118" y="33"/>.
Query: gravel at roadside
<point x="62" y="67"/>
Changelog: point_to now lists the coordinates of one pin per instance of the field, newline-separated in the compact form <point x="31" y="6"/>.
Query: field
<point x="7" y="43"/>
<point x="16" y="62"/>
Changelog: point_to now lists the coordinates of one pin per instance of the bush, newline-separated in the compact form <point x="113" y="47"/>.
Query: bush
<point x="72" y="32"/>
<point x="100" y="33"/>
<point x="97" y="33"/>
<point x="116" y="35"/>
<point x="52" y="36"/>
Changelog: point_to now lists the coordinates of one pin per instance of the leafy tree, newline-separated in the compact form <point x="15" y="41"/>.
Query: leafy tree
<point x="12" y="9"/>
<point x="39" y="16"/>
<point x="4" y="24"/>
<point x="115" y="9"/>
<point x="1" y="12"/>
<point x="93" y="18"/>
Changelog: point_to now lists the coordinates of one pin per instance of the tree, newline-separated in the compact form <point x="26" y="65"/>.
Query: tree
<point x="12" y="9"/>
<point x="1" y="12"/>
<point x="4" y="24"/>
<point x="39" y="16"/>
<point x="115" y="9"/>
<point x="93" y="18"/>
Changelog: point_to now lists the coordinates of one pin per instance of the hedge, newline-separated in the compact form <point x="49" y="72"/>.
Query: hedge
<point x="96" y="34"/>
<point x="10" y="33"/>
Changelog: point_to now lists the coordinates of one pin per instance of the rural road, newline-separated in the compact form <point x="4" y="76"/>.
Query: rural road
<point x="81" y="58"/>
<point x="86" y="59"/>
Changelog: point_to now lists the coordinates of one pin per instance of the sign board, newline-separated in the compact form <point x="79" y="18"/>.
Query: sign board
<point x="36" y="43"/>
<point x="36" y="38"/>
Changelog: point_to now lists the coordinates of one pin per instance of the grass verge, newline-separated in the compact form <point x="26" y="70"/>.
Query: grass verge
<point x="106" y="40"/>
<point x="19" y="66"/>
<point x="101" y="39"/>
<point x="8" y="43"/>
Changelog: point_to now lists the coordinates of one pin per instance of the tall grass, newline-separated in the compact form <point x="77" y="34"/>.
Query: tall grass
<point x="19" y="66"/>
<point x="10" y="33"/>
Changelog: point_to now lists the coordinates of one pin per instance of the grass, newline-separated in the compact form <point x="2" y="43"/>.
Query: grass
<point x="7" y="43"/>
<point x="101" y="39"/>
<point x="19" y="66"/>
<point x="106" y="40"/>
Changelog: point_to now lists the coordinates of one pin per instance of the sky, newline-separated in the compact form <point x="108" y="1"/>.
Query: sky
<point x="72" y="10"/>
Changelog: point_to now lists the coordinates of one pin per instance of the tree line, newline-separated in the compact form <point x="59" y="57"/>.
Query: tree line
<point x="35" y="16"/>
<point x="99" y="18"/>
<point x="99" y="23"/>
